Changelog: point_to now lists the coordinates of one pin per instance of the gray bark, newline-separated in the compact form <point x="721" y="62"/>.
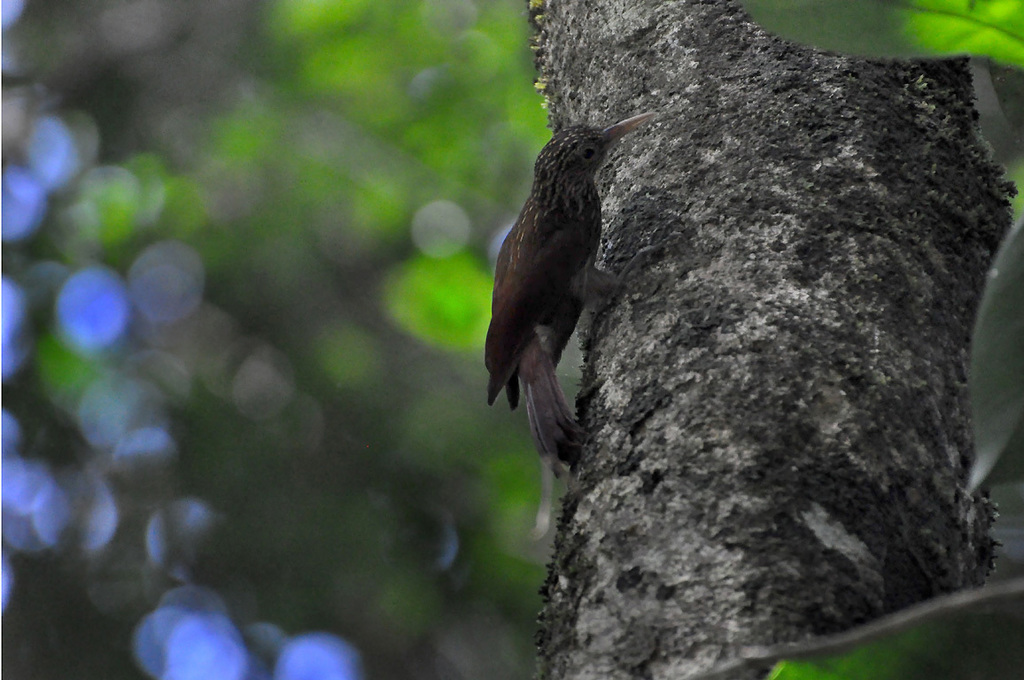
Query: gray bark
<point x="776" y="401"/>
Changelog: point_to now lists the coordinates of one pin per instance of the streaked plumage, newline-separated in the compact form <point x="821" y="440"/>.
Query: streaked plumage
<point x="545" y="272"/>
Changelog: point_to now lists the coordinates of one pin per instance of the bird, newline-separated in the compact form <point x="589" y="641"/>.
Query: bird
<point x="544" y="276"/>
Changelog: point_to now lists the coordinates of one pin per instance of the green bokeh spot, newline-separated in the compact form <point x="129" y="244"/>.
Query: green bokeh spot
<point x="512" y="481"/>
<point x="111" y="201"/>
<point x="349" y="356"/>
<point x="310" y="18"/>
<point x="64" y="372"/>
<point x="246" y="136"/>
<point x="442" y="302"/>
<point x="380" y="208"/>
<point x="410" y="602"/>
<point x="184" y="206"/>
<point x="149" y="169"/>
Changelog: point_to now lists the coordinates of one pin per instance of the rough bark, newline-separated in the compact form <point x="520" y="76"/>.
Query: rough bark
<point x="777" y="401"/>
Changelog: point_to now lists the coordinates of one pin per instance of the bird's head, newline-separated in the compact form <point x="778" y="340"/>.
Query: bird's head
<point x="577" y="152"/>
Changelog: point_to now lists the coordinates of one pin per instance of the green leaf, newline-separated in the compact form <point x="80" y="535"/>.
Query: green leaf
<point x="801" y="670"/>
<point x="997" y="368"/>
<point x="900" y="28"/>
<point x="443" y="302"/>
<point x="1015" y="173"/>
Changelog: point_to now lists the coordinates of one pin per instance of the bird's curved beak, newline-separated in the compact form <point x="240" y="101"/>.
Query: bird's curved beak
<point x="617" y="131"/>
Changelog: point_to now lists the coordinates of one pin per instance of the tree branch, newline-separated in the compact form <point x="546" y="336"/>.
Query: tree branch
<point x="1000" y="596"/>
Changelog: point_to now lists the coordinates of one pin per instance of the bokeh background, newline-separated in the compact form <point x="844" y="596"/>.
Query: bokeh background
<point x="247" y="252"/>
<point x="246" y="277"/>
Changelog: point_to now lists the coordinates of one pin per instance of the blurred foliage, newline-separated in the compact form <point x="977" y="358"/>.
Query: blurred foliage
<point x="997" y="364"/>
<point x="445" y="301"/>
<point x="298" y="430"/>
<point x="912" y="28"/>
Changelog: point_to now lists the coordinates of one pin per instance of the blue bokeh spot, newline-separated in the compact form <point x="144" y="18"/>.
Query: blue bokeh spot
<point x="10" y="11"/>
<point x="52" y="154"/>
<point x="36" y="508"/>
<point x="19" y="533"/>
<point x="173" y="533"/>
<point x="11" y="432"/>
<point x="204" y="646"/>
<point x="12" y="327"/>
<point x="166" y="281"/>
<point x="21" y="483"/>
<point x="92" y="309"/>
<point x="194" y="598"/>
<point x="111" y="408"/>
<point x="145" y="444"/>
<point x="449" y="546"/>
<point x="24" y="204"/>
<point x="51" y="513"/>
<point x="318" y="656"/>
<point x="190" y="637"/>
<point x="6" y="581"/>
<point x="150" y="639"/>
<point x="156" y="538"/>
<point x="102" y="517"/>
<point x="192" y="516"/>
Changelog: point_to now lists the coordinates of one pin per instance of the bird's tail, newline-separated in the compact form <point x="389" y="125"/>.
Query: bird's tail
<point x="555" y="431"/>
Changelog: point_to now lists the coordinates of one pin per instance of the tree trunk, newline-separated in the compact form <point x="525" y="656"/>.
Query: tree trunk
<point x="777" y="399"/>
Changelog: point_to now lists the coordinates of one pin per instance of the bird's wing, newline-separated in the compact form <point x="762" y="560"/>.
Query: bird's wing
<point x="529" y="287"/>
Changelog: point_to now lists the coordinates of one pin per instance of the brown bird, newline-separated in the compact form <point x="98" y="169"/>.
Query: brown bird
<point x="544" y="276"/>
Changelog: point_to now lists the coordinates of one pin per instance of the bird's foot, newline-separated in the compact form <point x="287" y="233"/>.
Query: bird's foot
<point x="638" y="258"/>
<point x="602" y="285"/>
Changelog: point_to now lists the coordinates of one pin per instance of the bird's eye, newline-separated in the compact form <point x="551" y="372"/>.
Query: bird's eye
<point x="589" y="152"/>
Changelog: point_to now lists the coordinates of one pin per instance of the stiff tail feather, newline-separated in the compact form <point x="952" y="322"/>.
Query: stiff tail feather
<point x="556" y="434"/>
